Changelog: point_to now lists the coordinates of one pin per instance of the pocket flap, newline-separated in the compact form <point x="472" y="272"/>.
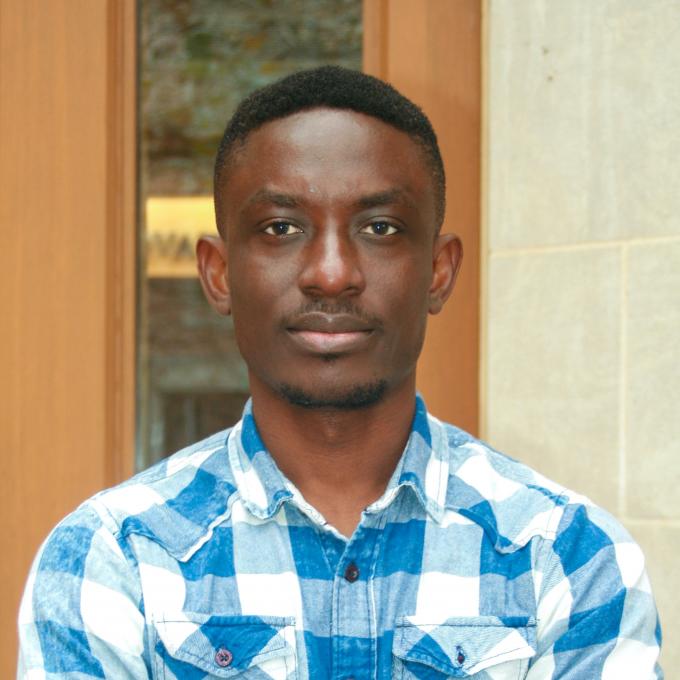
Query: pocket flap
<point x="224" y="646"/>
<point x="461" y="647"/>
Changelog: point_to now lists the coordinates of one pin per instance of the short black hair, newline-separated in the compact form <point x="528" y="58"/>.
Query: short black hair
<point x="336" y="88"/>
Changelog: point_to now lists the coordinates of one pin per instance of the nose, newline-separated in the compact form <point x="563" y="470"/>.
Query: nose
<point x="331" y="266"/>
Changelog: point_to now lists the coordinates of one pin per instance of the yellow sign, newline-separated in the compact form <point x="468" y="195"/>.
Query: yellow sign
<point x="173" y="225"/>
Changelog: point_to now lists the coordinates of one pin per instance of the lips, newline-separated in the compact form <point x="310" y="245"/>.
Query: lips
<point x="321" y="333"/>
<point x="321" y="322"/>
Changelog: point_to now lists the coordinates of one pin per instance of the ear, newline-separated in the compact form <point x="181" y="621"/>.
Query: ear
<point x="211" y="256"/>
<point x="447" y="256"/>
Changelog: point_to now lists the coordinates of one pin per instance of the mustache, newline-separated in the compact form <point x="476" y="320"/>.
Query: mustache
<point x="344" y="308"/>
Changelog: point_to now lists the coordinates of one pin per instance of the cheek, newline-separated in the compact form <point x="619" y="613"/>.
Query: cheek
<point x="407" y="286"/>
<point x="263" y="291"/>
<point x="256" y="281"/>
<point x="404" y="292"/>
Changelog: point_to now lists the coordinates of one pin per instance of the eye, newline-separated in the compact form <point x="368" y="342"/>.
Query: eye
<point x="282" y="228"/>
<point x="379" y="228"/>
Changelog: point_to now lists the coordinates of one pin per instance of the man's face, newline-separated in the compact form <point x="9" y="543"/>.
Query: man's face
<point x="329" y="220"/>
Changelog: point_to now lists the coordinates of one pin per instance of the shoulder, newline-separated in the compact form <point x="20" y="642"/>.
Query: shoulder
<point x="516" y="503"/>
<point x="173" y="503"/>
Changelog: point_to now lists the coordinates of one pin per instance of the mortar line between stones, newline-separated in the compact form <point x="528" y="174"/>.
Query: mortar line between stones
<point x="623" y="378"/>
<point x="577" y="247"/>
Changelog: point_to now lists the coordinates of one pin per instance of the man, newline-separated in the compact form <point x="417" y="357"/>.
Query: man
<point x="338" y="530"/>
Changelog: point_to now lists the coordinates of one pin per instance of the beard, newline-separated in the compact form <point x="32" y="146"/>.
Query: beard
<point x="354" y="398"/>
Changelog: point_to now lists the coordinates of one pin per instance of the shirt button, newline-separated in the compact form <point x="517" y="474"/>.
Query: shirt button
<point x="352" y="572"/>
<point x="223" y="657"/>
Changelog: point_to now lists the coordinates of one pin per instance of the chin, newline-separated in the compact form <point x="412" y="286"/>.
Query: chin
<point x="352" y="397"/>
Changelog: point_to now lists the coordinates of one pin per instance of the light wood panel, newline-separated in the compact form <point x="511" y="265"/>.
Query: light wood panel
<point x="67" y="244"/>
<point x="431" y="51"/>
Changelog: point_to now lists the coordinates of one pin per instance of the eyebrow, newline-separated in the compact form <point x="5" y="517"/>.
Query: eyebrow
<point x="274" y="198"/>
<point x="375" y="200"/>
<point x="388" y="197"/>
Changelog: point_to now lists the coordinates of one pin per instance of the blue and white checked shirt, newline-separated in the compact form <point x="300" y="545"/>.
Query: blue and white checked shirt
<point x="212" y="565"/>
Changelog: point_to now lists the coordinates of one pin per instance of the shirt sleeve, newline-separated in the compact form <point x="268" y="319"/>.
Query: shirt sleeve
<point x="81" y="613"/>
<point x="596" y="616"/>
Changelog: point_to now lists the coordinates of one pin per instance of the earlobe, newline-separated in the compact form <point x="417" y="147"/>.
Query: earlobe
<point x="447" y="257"/>
<point x="211" y="258"/>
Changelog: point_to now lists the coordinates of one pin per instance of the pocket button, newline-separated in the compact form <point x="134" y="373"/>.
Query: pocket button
<point x="223" y="657"/>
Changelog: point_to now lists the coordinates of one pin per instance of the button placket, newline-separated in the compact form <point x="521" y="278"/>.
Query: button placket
<point x="352" y="610"/>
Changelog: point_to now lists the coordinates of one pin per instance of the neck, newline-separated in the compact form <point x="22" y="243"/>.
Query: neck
<point x="340" y="460"/>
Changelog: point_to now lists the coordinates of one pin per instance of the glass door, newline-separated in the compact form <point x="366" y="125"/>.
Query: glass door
<point x="198" y="59"/>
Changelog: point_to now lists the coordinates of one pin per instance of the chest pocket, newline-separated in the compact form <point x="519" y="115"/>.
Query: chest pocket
<point x="192" y="645"/>
<point x="484" y="648"/>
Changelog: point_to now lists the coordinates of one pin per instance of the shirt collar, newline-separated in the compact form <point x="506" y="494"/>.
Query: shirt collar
<point x="179" y="502"/>
<point x="423" y="466"/>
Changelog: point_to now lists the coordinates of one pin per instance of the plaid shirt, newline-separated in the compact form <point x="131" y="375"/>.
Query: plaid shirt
<point x="212" y="565"/>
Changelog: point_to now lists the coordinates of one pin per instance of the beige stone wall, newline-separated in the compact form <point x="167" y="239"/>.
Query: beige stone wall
<point x="581" y="321"/>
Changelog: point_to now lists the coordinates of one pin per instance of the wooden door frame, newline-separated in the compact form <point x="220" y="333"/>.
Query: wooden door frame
<point x="122" y="237"/>
<point x="431" y="50"/>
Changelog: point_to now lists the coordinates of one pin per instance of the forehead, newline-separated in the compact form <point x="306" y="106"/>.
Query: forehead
<point x="331" y="152"/>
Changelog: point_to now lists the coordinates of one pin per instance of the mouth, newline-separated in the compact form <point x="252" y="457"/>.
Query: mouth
<point x="326" y="334"/>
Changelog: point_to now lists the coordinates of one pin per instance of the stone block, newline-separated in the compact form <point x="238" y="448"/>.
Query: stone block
<point x="652" y="442"/>
<point x="552" y="387"/>
<point x="583" y="135"/>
